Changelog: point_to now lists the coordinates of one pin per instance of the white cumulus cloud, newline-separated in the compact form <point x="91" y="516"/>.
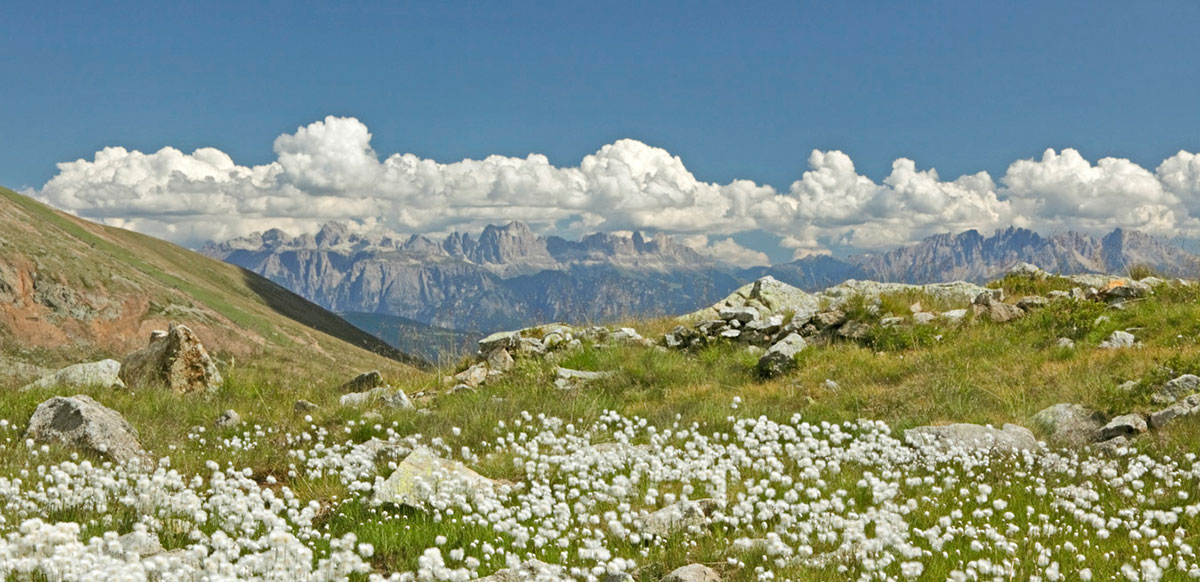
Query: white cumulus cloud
<point x="328" y="170"/>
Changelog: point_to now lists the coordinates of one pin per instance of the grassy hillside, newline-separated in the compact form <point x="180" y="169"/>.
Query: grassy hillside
<point x="73" y="290"/>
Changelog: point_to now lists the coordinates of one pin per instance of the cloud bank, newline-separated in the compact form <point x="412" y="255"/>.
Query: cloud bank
<point x="328" y="170"/>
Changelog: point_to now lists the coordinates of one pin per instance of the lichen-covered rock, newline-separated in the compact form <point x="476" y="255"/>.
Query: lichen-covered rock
<point x="1176" y="389"/>
<point x="229" y="418"/>
<point x="1011" y="438"/>
<point x="175" y="359"/>
<point x="1118" y="340"/>
<point x="1126" y="425"/>
<point x="102" y="374"/>
<point x="781" y="357"/>
<point x="1070" y="425"/>
<point x="677" y="517"/>
<point x="1027" y="270"/>
<point x="422" y="475"/>
<point x="692" y="573"/>
<point x="81" y="422"/>
<point x="566" y="378"/>
<point x="364" y="381"/>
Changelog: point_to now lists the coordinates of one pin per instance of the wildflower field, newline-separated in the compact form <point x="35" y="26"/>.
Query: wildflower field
<point x="675" y="458"/>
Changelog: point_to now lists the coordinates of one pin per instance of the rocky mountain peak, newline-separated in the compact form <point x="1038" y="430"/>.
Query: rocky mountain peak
<point x="332" y="234"/>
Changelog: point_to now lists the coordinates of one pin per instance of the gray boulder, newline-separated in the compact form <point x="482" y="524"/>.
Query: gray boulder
<point x="679" y="516"/>
<point x="102" y="374"/>
<point x="741" y="314"/>
<point x="385" y="396"/>
<point x="1185" y="407"/>
<point x="500" y="361"/>
<point x="501" y="339"/>
<point x="1011" y="438"/>
<point x="423" y="475"/>
<point x="566" y="378"/>
<point x="1069" y="425"/>
<point x="304" y="406"/>
<point x="999" y="312"/>
<point x="175" y="359"/>
<point x="1032" y="302"/>
<point x="693" y="573"/>
<point x="1176" y="389"/>
<point x="1065" y="343"/>
<point x="1119" y="339"/>
<point x="855" y="330"/>
<point x="364" y="381"/>
<point x="81" y="422"/>
<point x="1126" y="425"/>
<point x="229" y="418"/>
<point x="781" y="357"/>
<point x="1027" y="270"/>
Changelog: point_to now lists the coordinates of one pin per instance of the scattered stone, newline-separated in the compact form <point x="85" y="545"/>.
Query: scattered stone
<point x="890" y="321"/>
<point x="998" y="312"/>
<point x="304" y="406"/>
<point x="102" y="374"/>
<point x="384" y="395"/>
<point x="830" y="385"/>
<point x="423" y="475"/>
<point x="1165" y="416"/>
<point x="1119" y="290"/>
<point x="500" y="339"/>
<point x="781" y="357"/>
<point x="1119" y="339"/>
<point x="693" y="573"/>
<point x="228" y="419"/>
<point x="1126" y="425"/>
<point x="528" y="571"/>
<point x="855" y="330"/>
<point x="1176" y="389"/>
<point x="679" y="516"/>
<point x="566" y="378"/>
<point x="743" y="314"/>
<point x="140" y="542"/>
<point x="1066" y="343"/>
<point x="954" y="315"/>
<point x="1011" y="438"/>
<point x="1032" y="302"/>
<point x="363" y="382"/>
<point x="915" y="308"/>
<point x="1027" y="270"/>
<point x="175" y="359"/>
<point x="500" y="361"/>
<point x="473" y="376"/>
<point x="461" y="388"/>
<point x="1070" y="425"/>
<point x="988" y="297"/>
<point x="828" y="319"/>
<point x="1114" y="446"/>
<point x="1127" y="385"/>
<point x="925" y="317"/>
<point x="81" y="422"/>
<point x="731" y="333"/>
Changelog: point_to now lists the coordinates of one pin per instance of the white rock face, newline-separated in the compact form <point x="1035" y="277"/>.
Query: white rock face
<point x="1011" y="438"/>
<point x="423" y="475"/>
<point x="81" y="422"/>
<point x="102" y="374"/>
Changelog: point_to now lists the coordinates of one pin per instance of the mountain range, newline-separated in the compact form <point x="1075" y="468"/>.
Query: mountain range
<point x="510" y="277"/>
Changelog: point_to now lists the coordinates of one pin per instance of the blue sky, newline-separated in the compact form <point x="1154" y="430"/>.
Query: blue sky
<point x="736" y="91"/>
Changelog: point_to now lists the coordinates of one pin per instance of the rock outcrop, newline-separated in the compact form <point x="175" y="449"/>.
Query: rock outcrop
<point x="102" y="374"/>
<point x="81" y="422"/>
<point x="1070" y="425"/>
<point x="174" y="359"/>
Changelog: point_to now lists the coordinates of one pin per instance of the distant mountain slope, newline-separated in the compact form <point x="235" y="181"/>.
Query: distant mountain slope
<point x="70" y="287"/>
<point x="507" y="278"/>
<point x="436" y="344"/>
<point x="970" y="256"/>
